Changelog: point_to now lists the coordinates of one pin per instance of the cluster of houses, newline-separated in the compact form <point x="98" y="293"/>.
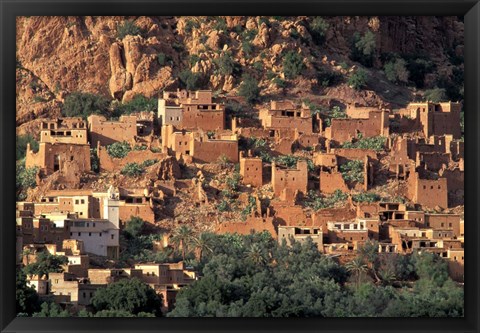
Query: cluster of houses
<point x="424" y="150"/>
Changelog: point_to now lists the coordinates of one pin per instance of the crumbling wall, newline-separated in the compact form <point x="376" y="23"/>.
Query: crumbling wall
<point x="294" y="179"/>
<point x="112" y="164"/>
<point x="59" y="156"/>
<point x="347" y="154"/>
<point x="257" y="224"/>
<point x="290" y="215"/>
<point x="332" y="181"/>
<point x="342" y="130"/>
<point x="141" y="210"/>
<point x="433" y="161"/>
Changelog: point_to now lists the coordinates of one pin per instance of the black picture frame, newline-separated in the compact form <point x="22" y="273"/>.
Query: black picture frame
<point x="470" y="9"/>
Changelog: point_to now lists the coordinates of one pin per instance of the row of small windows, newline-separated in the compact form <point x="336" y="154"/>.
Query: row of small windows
<point x="90" y="234"/>
<point x="431" y="187"/>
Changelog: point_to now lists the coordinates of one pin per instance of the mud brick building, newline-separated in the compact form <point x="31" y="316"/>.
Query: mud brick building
<point x="67" y="289"/>
<point x="251" y="170"/>
<point x="111" y="275"/>
<point x="399" y="158"/>
<point x="347" y="232"/>
<point x="427" y="192"/>
<point x="63" y="146"/>
<point x="167" y="279"/>
<point x="57" y="205"/>
<point x="199" y="146"/>
<point x="300" y="234"/>
<point x="435" y="118"/>
<point x="290" y="180"/>
<point x="65" y="201"/>
<point x="99" y="236"/>
<point x="64" y="130"/>
<point x="211" y="150"/>
<point x="105" y="132"/>
<point x="285" y="114"/>
<point x="343" y="130"/>
<point x="191" y="110"/>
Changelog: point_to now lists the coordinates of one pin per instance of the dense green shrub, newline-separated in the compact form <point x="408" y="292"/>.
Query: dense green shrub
<point x="363" y="48"/>
<point x="418" y="67"/>
<point x="358" y="80"/>
<point x="94" y="160"/>
<point x="132" y="169"/>
<point x="327" y="78"/>
<point x="225" y="64"/>
<point x="335" y="113"/>
<point x="247" y="47"/>
<point x="376" y="143"/>
<point x="396" y="71"/>
<point x="191" y="24"/>
<point x="220" y="24"/>
<point x="352" y="171"/>
<point x="78" y="104"/>
<point x="366" y="197"/>
<point x="249" y="89"/>
<point x="318" y="28"/>
<point x="139" y="103"/>
<point x="190" y="80"/>
<point x="25" y="179"/>
<point x="119" y="149"/>
<point x="149" y="163"/>
<point x="162" y="58"/>
<point x="317" y="202"/>
<point x="279" y="82"/>
<point x="292" y="64"/>
<point x="127" y="28"/>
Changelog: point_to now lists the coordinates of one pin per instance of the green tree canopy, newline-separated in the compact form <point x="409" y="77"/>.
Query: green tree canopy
<point x="129" y="295"/>
<point x="46" y="263"/>
<point x="22" y="141"/>
<point x="249" y="89"/>
<point x="292" y="64"/>
<point x="78" y="104"/>
<point x="27" y="300"/>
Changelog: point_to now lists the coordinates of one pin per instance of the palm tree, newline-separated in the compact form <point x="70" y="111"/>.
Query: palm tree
<point x="369" y="253"/>
<point x="182" y="237"/>
<point x="256" y="254"/>
<point x="202" y="244"/>
<point x="357" y="267"/>
<point x="388" y="276"/>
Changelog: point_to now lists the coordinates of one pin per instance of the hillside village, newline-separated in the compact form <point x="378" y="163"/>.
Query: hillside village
<point x="131" y="196"/>
<point x="308" y="163"/>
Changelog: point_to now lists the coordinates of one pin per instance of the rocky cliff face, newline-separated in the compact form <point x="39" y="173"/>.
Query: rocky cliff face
<point x="60" y="55"/>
